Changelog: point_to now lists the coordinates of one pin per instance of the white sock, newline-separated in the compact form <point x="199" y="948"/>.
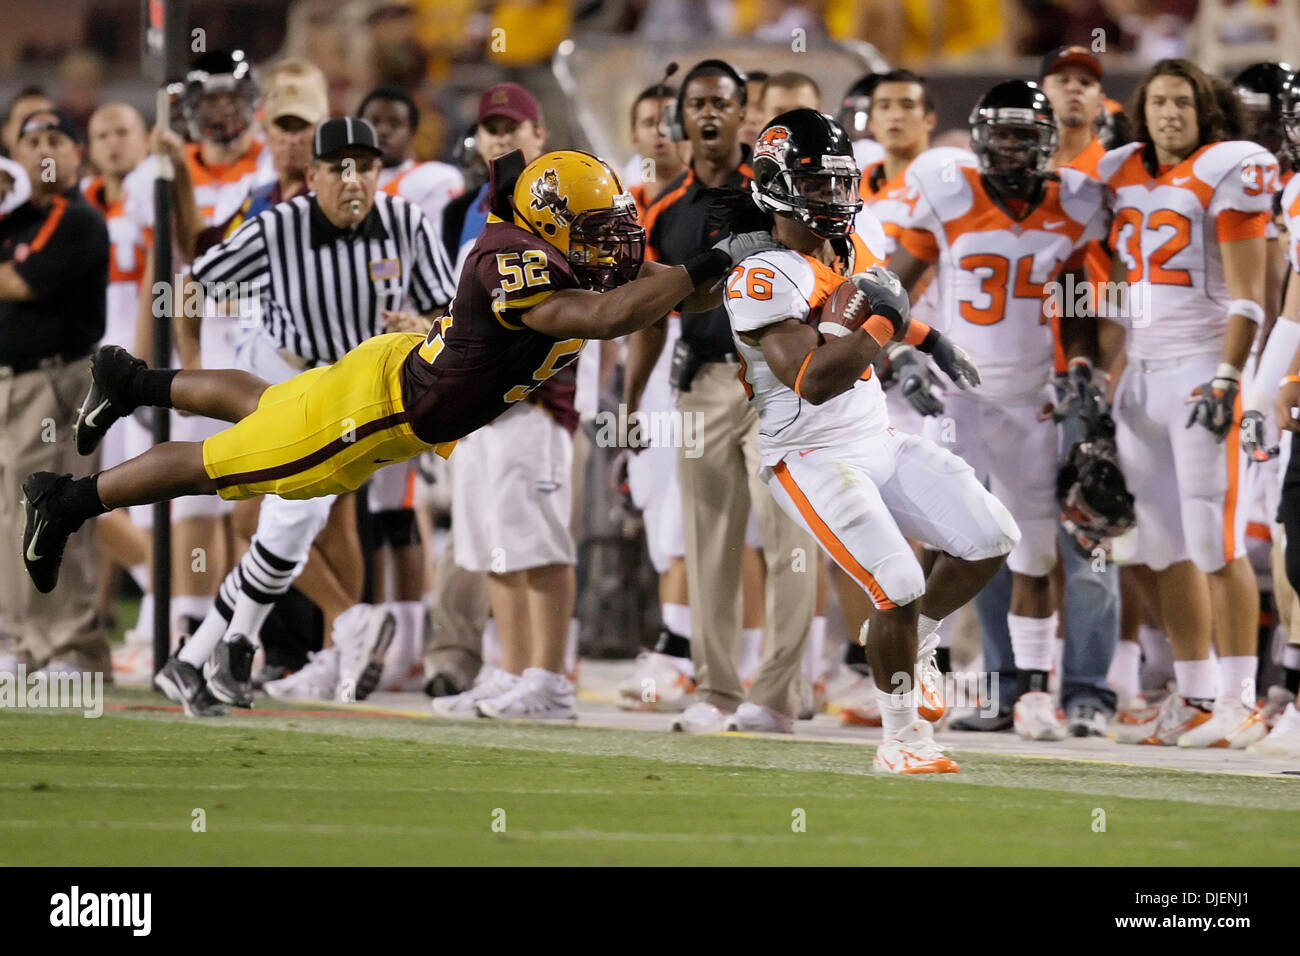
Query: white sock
<point x="141" y="576"/>
<point x="491" y="645"/>
<point x="814" y="650"/>
<point x="926" y="631"/>
<point x="1291" y="657"/>
<point x="1157" y="657"/>
<point x="204" y="641"/>
<point x="897" y="711"/>
<point x="189" y="605"/>
<point x="1237" y="678"/>
<point x="1031" y="641"/>
<point x="677" y="618"/>
<point x="1195" y="679"/>
<point x="571" y="648"/>
<point x="1125" y="667"/>
<point x="751" y="651"/>
<point x="1058" y="652"/>
<point x="142" y="631"/>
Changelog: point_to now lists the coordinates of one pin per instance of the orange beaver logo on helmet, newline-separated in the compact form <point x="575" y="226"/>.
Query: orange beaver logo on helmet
<point x="772" y="142"/>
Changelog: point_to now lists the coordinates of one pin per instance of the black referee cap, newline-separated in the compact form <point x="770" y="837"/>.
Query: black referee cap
<point x="345" y="132"/>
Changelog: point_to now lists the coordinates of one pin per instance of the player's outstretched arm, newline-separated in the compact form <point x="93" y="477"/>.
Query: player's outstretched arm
<point x="579" y="314"/>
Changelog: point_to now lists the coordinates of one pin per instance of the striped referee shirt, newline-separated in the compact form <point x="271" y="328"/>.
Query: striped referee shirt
<point x="321" y="289"/>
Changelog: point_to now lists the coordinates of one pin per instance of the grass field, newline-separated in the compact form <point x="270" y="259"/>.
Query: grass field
<point x="328" y="787"/>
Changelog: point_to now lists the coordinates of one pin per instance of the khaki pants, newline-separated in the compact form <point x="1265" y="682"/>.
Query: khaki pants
<point x="718" y="487"/>
<point x="37" y="411"/>
<point x="460" y="611"/>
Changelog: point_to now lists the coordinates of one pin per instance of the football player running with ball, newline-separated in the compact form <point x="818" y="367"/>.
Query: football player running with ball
<point x="828" y="453"/>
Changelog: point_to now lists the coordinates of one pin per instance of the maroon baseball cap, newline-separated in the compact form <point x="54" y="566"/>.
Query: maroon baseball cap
<point x="509" y="100"/>
<point x="1064" y="56"/>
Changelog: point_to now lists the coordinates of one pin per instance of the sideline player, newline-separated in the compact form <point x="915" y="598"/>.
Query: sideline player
<point x="827" y="451"/>
<point x="571" y="233"/>
<point x="1190" y="217"/>
<point x="1001" y="233"/>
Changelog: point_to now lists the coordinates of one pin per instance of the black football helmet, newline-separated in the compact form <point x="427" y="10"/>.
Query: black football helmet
<point x="855" y="108"/>
<point x="1289" y="117"/>
<point x="804" y="168"/>
<point x="220" y="97"/>
<point x="1259" y="90"/>
<point x="1013" y="134"/>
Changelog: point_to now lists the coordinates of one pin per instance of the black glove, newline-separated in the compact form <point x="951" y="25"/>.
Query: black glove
<point x="901" y="364"/>
<point x="1212" y="406"/>
<point x="1252" y="437"/>
<point x="951" y="359"/>
<point x="1085" y="398"/>
<point x="885" y="295"/>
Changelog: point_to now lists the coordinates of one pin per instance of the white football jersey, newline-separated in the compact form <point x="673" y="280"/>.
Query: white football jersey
<point x="1167" y="229"/>
<point x="1291" y="211"/>
<point x="127" y="251"/>
<point x="867" y="152"/>
<point x="218" y="191"/>
<point x="994" y="270"/>
<point x="771" y="287"/>
<point x="429" y="185"/>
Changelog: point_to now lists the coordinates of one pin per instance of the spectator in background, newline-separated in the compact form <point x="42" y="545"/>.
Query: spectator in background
<point x="81" y="82"/>
<point x="25" y="102"/>
<point x="508" y="118"/>
<point x="787" y="91"/>
<point x="755" y="81"/>
<point x="53" y="273"/>
<point x="119" y="143"/>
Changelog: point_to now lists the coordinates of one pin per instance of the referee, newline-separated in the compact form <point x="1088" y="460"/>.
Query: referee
<point x="327" y="271"/>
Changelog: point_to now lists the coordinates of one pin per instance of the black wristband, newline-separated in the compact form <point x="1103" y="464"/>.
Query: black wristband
<point x="929" y="342"/>
<point x="709" y="264"/>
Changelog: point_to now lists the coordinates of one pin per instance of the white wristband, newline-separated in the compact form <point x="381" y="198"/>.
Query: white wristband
<point x="1229" y="371"/>
<point x="1249" y="308"/>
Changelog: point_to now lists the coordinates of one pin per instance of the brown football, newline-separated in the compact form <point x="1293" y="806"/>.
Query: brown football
<point x="844" y="310"/>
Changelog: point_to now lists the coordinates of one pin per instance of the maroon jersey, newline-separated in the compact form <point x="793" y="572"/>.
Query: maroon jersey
<point x="481" y="358"/>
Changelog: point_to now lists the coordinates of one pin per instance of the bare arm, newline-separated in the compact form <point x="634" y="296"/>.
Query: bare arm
<point x="188" y="299"/>
<point x="907" y="267"/>
<point x="189" y="222"/>
<point x="1244" y="262"/>
<point x="13" y="287"/>
<point x="816" y="373"/>
<point x="579" y="314"/>
<point x="1079" y="333"/>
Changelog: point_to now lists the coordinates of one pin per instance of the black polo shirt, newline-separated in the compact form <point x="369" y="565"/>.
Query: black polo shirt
<point x="675" y="231"/>
<point x="61" y="252"/>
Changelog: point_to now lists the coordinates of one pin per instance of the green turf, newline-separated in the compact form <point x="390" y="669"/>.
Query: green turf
<point x="348" y="790"/>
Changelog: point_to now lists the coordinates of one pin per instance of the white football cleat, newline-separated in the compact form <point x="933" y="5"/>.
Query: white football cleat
<point x="1283" y="740"/>
<point x="362" y="634"/>
<point x="492" y="682"/>
<point x="914" y="750"/>
<point x="929" y="679"/>
<point x="700" y="718"/>
<point x="538" y="695"/>
<point x="757" y="719"/>
<point x="1275" y="705"/>
<point x="133" y="663"/>
<point x="845" y="687"/>
<point x="318" y="680"/>
<point x="1231" y="724"/>
<point x="1161" y="725"/>
<point x="661" y="683"/>
<point x="1035" y="717"/>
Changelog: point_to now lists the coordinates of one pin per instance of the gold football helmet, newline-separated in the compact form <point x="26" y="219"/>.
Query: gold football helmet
<point x="576" y="202"/>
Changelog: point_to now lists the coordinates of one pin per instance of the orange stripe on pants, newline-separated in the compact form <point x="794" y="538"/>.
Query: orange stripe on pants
<point x="1230" y="502"/>
<point x="822" y="532"/>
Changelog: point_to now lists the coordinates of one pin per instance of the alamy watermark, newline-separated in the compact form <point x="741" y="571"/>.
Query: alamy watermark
<point x="663" y="429"/>
<point x="53" y="691"/>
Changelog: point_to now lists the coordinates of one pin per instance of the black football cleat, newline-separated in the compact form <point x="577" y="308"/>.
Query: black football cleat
<point x="229" y="671"/>
<point x="987" y="723"/>
<point x="104" y="403"/>
<point x="45" y="536"/>
<point x="184" y="684"/>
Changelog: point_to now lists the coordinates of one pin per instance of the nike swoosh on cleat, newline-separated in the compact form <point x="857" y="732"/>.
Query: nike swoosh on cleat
<point x="31" y="546"/>
<point x="90" y="419"/>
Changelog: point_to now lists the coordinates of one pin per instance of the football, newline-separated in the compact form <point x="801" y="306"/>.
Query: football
<point x="844" y="310"/>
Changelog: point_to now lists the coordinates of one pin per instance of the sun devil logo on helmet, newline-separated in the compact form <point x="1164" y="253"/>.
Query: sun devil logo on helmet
<point x="546" y="195"/>
<point x="772" y="143"/>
